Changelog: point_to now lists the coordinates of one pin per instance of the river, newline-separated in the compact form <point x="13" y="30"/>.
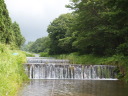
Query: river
<point x="74" y="88"/>
<point x="53" y="77"/>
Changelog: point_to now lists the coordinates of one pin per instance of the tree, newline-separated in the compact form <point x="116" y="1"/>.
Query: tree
<point x="40" y="45"/>
<point x="59" y="31"/>
<point x="6" y="33"/>
<point x="100" y="27"/>
<point x="19" y="39"/>
<point x="26" y="47"/>
<point x="9" y="32"/>
<point x="118" y="18"/>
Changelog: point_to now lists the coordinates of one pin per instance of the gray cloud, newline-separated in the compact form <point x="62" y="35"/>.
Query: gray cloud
<point x="34" y="16"/>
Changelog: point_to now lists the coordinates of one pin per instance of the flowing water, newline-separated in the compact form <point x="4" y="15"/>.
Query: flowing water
<point x="50" y="68"/>
<point x="52" y="77"/>
<point x="74" y="88"/>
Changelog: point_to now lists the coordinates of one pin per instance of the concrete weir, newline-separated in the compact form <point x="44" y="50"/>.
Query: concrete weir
<point x="50" y="68"/>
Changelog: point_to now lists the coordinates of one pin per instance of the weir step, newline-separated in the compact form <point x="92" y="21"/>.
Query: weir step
<point x="61" y="69"/>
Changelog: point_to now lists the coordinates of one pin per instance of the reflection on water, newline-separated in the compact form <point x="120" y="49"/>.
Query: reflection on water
<point x="74" y="88"/>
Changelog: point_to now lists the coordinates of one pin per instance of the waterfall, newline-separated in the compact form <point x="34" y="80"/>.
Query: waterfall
<point x="50" y="68"/>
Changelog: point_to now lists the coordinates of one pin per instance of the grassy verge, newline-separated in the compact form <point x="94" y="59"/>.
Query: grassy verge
<point x="11" y="70"/>
<point x="118" y="60"/>
<point x="75" y="58"/>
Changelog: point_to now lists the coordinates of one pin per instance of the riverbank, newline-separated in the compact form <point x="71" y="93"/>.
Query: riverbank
<point x="117" y="60"/>
<point x="12" y="73"/>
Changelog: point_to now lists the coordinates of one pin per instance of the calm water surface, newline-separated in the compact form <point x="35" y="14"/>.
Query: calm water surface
<point x="74" y="88"/>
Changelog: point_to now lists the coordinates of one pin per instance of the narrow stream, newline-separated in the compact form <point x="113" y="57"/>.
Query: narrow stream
<point x="52" y="77"/>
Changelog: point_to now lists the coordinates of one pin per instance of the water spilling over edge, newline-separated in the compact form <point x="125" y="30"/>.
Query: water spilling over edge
<point x="50" y="68"/>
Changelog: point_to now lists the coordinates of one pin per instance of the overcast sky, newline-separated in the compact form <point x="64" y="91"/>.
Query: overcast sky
<point x="33" y="16"/>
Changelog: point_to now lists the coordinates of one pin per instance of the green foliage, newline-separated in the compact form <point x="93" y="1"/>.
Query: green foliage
<point x="29" y="54"/>
<point x="60" y="34"/>
<point x="76" y="58"/>
<point x="101" y="26"/>
<point x="9" y="32"/>
<point x="6" y="33"/>
<point x="19" y="39"/>
<point x="123" y="49"/>
<point x="44" y="54"/>
<point x="118" y="60"/>
<point x="96" y="28"/>
<point x="12" y="72"/>
<point x="40" y="45"/>
<point x="26" y="47"/>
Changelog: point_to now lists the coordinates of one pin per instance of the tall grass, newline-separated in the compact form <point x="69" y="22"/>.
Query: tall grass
<point x="90" y="59"/>
<point x="11" y="70"/>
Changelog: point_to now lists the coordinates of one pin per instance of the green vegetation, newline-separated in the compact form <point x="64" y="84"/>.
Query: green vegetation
<point x="118" y="60"/>
<point x="12" y="72"/>
<point x="101" y="26"/>
<point x="90" y="59"/>
<point x="60" y="34"/>
<point x="75" y="58"/>
<point x="9" y="32"/>
<point x="11" y="60"/>
<point x="40" y="45"/>
<point x="26" y="47"/>
<point x="97" y="30"/>
<point x="29" y="54"/>
<point x="19" y="39"/>
<point x="44" y="54"/>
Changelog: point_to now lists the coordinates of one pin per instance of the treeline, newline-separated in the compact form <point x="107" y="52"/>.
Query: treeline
<point x="9" y="31"/>
<point x="98" y="27"/>
<point x="40" y="45"/>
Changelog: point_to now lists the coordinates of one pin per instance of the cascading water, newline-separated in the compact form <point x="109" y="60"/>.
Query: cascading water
<point x="70" y="79"/>
<point x="50" y="68"/>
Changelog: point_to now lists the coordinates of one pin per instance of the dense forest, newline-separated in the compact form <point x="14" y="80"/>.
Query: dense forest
<point x="98" y="27"/>
<point x="9" y="31"/>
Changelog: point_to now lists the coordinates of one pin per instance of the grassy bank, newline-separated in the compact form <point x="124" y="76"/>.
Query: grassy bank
<point x="75" y="58"/>
<point x="11" y="70"/>
<point x="118" y="60"/>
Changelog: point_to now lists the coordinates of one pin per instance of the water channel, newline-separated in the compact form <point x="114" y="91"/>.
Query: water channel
<point x="74" y="88"/>
<point x="51" y="77"/>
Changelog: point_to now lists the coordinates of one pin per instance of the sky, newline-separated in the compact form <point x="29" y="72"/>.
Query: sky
<point x="34" y="16"/>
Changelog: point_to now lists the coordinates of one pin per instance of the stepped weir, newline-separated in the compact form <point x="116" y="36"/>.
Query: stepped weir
<point x="50" y="68"/>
